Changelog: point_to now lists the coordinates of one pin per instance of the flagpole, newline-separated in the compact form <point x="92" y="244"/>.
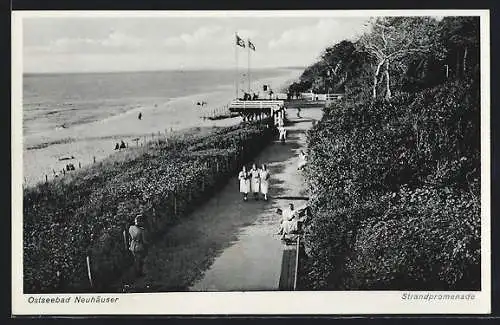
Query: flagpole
<point x="236" y="60"/>
<point x="248" y="68"/>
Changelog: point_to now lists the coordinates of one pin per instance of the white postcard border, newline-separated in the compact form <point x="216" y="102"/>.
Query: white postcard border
<point x="202" y="303"/>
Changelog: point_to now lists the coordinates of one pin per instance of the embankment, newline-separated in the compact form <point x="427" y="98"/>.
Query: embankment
<point x="395" y="190"/>
<point x="84" y="215"/>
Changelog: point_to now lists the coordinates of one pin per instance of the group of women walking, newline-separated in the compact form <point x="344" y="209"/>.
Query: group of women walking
<point x="255" y="180"/>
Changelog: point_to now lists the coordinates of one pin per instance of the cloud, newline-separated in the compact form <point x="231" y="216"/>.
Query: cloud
<point x="316" y="37"/>
<point x="201" y="35"/>
<point x="114" y="42"/>
<point x="191" y="43"/>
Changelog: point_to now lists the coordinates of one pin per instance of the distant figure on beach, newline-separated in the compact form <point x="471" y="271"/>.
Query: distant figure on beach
<point x="302" y="160"/>
<point x="298" y="112"/>
<point x="255" y="184"/>
<point x="244" y="178"/>
<point x="264" y="180"/>
<point x="122" y="145"/>
<point x="117" y="146"/>
<point x="138" y="243"/>
<point x="140" y="116"/>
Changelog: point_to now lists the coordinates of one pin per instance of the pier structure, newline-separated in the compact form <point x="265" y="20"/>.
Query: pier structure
<point x="264" y="108"/>
<point x="259" y="109"/>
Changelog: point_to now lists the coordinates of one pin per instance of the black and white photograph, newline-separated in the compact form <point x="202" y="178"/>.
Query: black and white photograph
<point x="303" y="159"/>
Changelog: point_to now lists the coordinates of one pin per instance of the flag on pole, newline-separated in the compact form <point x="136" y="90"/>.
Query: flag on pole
<point x="250" y="45"/>
<point x="239" y="41"/>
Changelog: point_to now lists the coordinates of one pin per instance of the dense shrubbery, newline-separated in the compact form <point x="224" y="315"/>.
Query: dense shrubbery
<point x="395" y="188"/>
<point x="394" y="172"/>
<point x="68" y="219"/>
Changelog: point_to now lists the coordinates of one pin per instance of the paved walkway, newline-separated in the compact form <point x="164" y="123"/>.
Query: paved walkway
<point x="228" y="244"/>
<point x="254" y="260"/>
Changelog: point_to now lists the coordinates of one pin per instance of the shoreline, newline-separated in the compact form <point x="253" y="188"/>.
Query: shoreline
<point x="96" y="140"/>
<point x="106" y="196"/>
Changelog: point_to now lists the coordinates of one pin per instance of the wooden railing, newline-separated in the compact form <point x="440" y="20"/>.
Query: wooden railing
<point x="322" y="97"/>
<point x="237" y="105"/>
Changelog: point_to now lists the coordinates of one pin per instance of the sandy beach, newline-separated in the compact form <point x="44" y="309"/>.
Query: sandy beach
<point x="97" y="139"/>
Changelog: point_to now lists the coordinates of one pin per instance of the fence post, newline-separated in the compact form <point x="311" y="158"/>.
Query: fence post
<point x="296" y="264"/>
<point x="125" y="238"/>
<point x="175" y="203"/>
<point x="89" y="271"/>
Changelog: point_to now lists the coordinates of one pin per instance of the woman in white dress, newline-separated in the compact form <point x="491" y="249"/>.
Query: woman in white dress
<point x="264" y="181"/>
<point x="255" y="185"/>
<point x="244" y="178"/>
<point x="302" y="160"/>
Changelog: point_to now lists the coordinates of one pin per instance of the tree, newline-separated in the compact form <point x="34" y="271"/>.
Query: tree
<point x="339" y="60"/>
<point x="460" y="36"/>
<point x="392" y="39"/>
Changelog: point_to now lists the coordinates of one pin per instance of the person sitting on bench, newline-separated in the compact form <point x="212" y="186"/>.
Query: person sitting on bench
<point x="292" y="220"/>
<point x="288" y="224"/>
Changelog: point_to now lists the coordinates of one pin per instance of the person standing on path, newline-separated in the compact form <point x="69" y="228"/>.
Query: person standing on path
<point x="282" y="136"/>
<point x="255" y="174"/>
<point x="244" y="178"/>
<point x="264" y="181"/>
<point x="138" y="243"/>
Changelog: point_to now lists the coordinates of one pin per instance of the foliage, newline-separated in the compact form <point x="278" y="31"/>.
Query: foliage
<point x="85" y="215"/>
<point x="394" y="186"/>
<point x="397" y="54"/>
<point x="394" y="182"/>
<point x="393" y="39"/>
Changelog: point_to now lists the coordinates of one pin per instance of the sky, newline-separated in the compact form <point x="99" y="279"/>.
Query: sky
<point x="93" y="44"/>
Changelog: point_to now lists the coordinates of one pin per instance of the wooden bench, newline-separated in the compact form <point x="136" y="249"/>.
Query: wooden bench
<point x="289" y="267"/>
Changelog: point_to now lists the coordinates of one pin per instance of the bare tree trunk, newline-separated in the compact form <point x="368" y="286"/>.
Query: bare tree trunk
<point x="465" y="61"/>
<point x="375" y="78"/>
<point x="388" y="94"/>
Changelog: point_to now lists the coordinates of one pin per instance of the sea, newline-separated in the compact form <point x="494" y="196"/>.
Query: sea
<point x="81" y="116"/>
<point x="52" y="101"/>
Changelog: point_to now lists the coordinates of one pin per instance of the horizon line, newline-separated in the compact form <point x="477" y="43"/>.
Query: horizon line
<point x="152" y="70"/>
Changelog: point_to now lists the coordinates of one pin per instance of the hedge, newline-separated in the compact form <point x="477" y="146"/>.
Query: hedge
<point x="69" y="219"/>
<point x="395" y="188"/>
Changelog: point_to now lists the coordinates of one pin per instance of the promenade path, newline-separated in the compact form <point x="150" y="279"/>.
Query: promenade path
<point x="227" y="244"/>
